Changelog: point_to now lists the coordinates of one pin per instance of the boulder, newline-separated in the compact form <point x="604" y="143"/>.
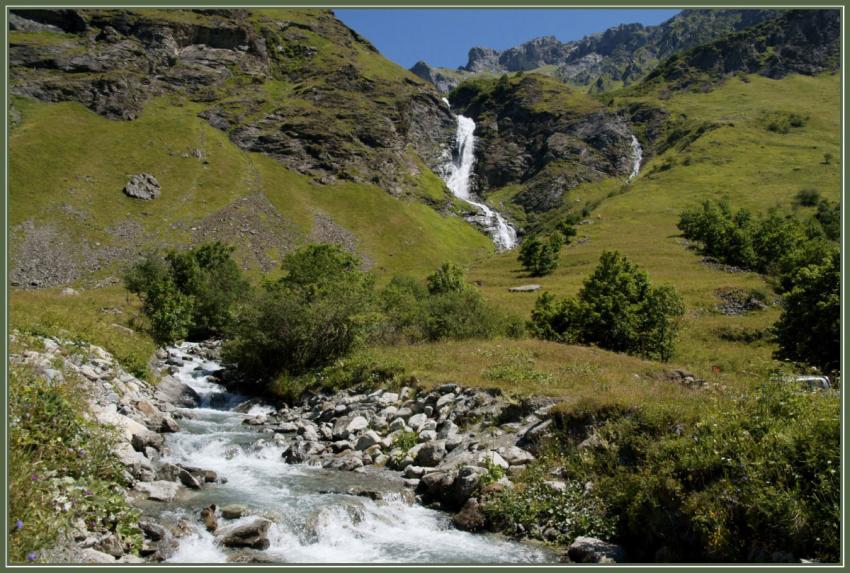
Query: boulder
<point x="427" y="435"/>
<point x="357" y="424"/>
<point x="593" y="550"/>
<point x="253" y="534"/>
<point x="233" y="511"/>
<point x="416" y="421"/>
<point x="147" y="439"/>
<point x="431" y="453"/>
<point x="445" y="399"/>
<point x="345" y="462"/>
<point x="299" y="452"/>
<point x="111" y="546"/>
<point x="173" y="392"/>
<point x="208" y="518"/>
<point x="158" y="490"/>
<point x="470" y="517"/>
<point x="142" y="186"/>
<point x="90" y="555"/>
<point x="367" y="440"/>
<point x="516" y="456"/>
<point x="524" y="288"/>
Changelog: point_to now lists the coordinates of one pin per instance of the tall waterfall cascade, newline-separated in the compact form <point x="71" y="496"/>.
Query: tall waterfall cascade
<point x="637" y="157"/>
<point x="457" y="174"/>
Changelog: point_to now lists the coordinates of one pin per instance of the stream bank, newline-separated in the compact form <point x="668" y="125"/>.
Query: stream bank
<point x="350" y="477"/>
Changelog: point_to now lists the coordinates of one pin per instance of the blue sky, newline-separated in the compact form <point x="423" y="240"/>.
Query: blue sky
<point x="443" y="37"/>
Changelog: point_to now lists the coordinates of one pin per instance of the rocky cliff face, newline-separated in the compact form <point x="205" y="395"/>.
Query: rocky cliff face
<point x="296" y="85"/>
<point x="536" y="132"/>
<point x="621" y="55"/>
<point x="800" y="41"/>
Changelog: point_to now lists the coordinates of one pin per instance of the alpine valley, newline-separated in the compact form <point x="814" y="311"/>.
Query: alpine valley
<point x="276" y="299"/>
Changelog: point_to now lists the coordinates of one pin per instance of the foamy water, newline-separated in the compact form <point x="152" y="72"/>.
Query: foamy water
<point x="308" y="526"/>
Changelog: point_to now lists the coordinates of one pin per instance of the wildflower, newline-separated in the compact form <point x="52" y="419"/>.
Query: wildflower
<point x="32" y="556"/>
<point x="34" y="477"/>
<point x="88" y="493"/>
<point x="19" y="524"/>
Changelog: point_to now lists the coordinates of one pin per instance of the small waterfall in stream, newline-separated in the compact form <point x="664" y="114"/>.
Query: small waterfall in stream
<point x="637" y="157"/>
<point x="310" y="525"/>
<point x="457" y="174"/>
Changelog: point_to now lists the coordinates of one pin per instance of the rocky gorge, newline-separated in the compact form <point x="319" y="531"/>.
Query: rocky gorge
<point x="220" y="476"/>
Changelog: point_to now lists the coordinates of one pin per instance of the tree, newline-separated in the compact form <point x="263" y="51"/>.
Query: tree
<point x="540" y="258"/>
<point x="809" y="328"/>
<point x="616" y="309"/>
<point x="447" y="278"/>
<point x="166" y="307"/>
<point x="321" y="309"/>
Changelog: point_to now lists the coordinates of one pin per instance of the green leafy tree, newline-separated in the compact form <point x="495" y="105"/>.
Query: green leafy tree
<point x="321" y="309"/>
<point x="167" y="308"/>
<point x="829" y="216"/>
<point x="190" y="293"/>
<point x="448" y="278"/>
<point x="809" y="328"/>
<point x="540" y="257"/>
<point x="616" y="309"/>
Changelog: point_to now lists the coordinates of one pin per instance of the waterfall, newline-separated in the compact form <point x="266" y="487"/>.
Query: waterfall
<point x="637" y="156"/>
<point x="457" y="174"/>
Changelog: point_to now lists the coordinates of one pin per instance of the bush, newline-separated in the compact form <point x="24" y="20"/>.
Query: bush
<point x="754" y="476"/>
<point x="807" y="197"/>
<point x="448" y="278"/>
<point x="773" y="244"/>
<point x="61" y="468"/>
<point x="809" y="328"/>
<point x="829" y="216"/>
<point x="540" y="258"/>
<point x="616" y="309"/>
<point x="535" y="507"/>
<point x="191" y="293"/>
<point x="319" y="311"/>
<point x="448" y="308"/>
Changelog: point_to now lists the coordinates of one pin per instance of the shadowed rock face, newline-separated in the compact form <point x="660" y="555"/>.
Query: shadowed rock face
<point x="800" y="41"/>
<point x="336" y="118"/>
<point x="528" y="136"/>
<point x="624" y="53"/>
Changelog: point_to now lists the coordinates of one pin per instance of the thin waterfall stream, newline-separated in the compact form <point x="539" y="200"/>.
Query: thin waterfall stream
<point x="458" y="174"/>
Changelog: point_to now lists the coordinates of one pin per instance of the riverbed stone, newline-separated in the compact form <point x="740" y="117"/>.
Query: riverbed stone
<point x="593" y="550"/>
<point x="416" y="421"/>
<point x="233" y="511"/>
<point x="368" y="439"/>
<point x="253" y="534"/>
<point x="470" y="517"/>
<point x="158" y="490"/>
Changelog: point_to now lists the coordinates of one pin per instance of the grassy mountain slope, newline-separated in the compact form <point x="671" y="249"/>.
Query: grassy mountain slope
<point x="344" y="142"/>
<point x="742" y="160"/>
<point x="56" y="182"/>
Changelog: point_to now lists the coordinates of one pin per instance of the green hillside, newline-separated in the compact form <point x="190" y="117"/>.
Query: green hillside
<point x="740" y="160"/>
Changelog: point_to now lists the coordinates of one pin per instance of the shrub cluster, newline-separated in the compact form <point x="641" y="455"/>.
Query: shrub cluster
<point x="746" y="481"/>
<point x="445" y="307"/>
<point x="616" y="309"/>
<point x="774" y="244"/>
<point x="541" y="511"/>
<point x="322" y="308"/>
<point x="803" y="258"/>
